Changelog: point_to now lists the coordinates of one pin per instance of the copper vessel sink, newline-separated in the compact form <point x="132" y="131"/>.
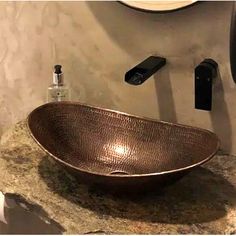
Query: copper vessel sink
<point x="119" y="151"/>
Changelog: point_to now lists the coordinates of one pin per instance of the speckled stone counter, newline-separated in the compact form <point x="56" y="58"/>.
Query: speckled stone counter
<point x="203" y="202"/>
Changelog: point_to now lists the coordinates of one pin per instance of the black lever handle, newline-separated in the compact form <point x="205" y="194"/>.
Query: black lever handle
<point x="205" y="72"/>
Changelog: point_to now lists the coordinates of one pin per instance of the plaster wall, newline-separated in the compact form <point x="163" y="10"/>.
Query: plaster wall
<point x="97" y="42"/>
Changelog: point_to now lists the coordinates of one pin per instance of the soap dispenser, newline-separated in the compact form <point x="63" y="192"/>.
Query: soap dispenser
<point x="58" y="91"/>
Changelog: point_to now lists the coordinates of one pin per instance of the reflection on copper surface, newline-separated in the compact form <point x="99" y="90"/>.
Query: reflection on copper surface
<point x="120" y="149"/>
<point x="117" y="149"/>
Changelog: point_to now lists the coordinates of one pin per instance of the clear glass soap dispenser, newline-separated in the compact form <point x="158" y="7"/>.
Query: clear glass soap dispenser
<point x="58" y="91"/>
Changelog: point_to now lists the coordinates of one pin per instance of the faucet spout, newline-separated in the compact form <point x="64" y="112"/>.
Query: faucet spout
<point x="140" y="73"/>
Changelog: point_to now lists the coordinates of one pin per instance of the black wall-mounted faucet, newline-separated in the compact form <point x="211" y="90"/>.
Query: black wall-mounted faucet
<point x="205" y="73"/>
<point x="138" y="74"/>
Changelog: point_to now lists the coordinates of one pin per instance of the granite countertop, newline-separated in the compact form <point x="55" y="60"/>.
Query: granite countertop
<point x="203" y="202"/>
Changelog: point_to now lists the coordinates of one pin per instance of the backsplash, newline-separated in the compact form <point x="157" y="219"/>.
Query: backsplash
<point x="97" y="42"/>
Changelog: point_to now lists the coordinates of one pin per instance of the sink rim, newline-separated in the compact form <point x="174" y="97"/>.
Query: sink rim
<point x="130" y="115"/>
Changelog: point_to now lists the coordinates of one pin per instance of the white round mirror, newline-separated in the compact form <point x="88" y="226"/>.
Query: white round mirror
<point x="162" y="5"/>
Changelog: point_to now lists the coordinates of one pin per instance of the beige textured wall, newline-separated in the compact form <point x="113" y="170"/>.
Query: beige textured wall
<point x="97" y="42"/>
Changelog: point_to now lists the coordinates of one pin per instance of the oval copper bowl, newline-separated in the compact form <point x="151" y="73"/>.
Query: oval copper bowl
<point x="117" y="150"/>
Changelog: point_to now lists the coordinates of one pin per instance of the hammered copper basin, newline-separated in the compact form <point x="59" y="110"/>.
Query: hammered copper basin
<point x="117" y="150"/>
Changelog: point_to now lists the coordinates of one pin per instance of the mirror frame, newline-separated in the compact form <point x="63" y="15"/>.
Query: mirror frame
<point x="158" y="11"/>
<point x="232" y="44"/>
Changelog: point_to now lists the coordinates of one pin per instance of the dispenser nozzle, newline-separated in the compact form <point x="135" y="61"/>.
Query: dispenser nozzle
<point x="57" y="69"/>
<point x="58" y="75"/>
